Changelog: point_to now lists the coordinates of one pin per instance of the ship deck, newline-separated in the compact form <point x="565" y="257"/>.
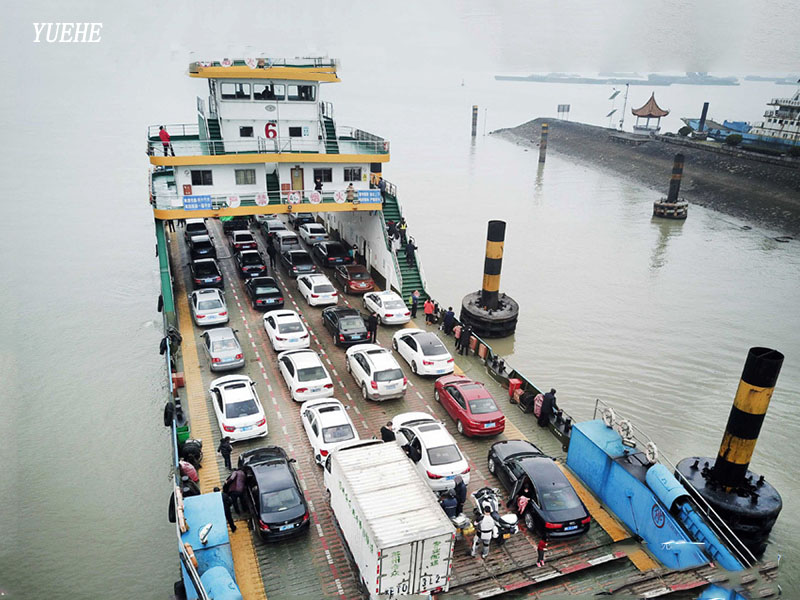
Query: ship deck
<point x="316" y="564"/>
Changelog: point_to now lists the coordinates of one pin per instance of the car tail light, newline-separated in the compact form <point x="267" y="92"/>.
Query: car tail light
<point x="553" y="525"/>
<point x="466" y="471"/>
<point x="341" y="337"/>
<point x="280" y="299"/>
<point x="198" y="281"/>
<point x="335" y="294"/>
<point x="331" y="259"/>
<point x="280" y="339"/>
<point x="433" y="475"/>
<point x="217" y="278"/>
<point x="388" y="315"/>
<point x="315" y="295"/>
<point x="263" y="526"/>
<point x="427" y="362"/>
<point x="215" y="360"/>
<point x="294" y="269"/>
<point x="408" y="314"/>
<point x="405" y="380"/>
<point x="373" y="385"/>
<point x="449" y="360"/>
<point x="223" y="313"/>
<point x="328" y="386"/>
<point x="301" y="390"/>
<point x="586" y="521"/>
<point x="261" y="422"/>
<point x="201" y="316"/>
<point x="229" y="428"/>
<point x="305" y="517"/>
<point x="323" y="453"/>
<point x="239" y="356"/>
<point x="304" y="336"/>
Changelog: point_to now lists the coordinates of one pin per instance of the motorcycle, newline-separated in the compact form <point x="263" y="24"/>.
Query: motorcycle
<point x="505" y="525"/>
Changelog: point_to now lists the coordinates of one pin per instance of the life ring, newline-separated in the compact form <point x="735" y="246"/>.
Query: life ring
<point x="625" y="429"/>
<point x="294" y="198"/>
<point x="651" y="453"/>
<point x="190" y="554"/>
<point x="609" y="417"/>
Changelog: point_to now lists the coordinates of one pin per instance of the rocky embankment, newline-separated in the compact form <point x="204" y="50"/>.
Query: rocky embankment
<point x="757" y="191"/>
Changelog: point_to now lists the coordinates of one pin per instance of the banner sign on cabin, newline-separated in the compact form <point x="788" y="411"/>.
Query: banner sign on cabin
<point x="369" y="196"/>
<point x="197" y="203"/>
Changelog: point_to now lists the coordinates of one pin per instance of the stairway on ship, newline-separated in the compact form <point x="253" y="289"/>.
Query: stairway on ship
<point x="215" y="135"/>
<point x="273" y="188"/>
<point x="331" y="145"/>
<point x="412" y="279"/>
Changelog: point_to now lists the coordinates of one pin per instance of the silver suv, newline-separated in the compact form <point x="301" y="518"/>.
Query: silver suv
<point x="376" y="372"/>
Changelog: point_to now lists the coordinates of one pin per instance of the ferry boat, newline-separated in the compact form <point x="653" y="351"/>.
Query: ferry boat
<point x="778" y="132"/>
<point x="265" y="146"/>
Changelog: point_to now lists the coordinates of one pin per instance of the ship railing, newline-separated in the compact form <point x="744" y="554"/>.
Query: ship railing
<point x="395" y="262"/>
<point x="298" y="198"/>
<point x="784" y="102"/>
<point x="194" y="146"/>
<point x="714" y="520"/>
<point x="326" y="109"/>
<point x="304" y="62"/>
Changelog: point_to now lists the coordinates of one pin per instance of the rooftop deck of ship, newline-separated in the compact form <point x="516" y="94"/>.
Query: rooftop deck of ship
<point x="316" y="564"/>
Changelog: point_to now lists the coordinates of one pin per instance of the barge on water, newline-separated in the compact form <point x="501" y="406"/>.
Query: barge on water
<point x="266" y="147"/>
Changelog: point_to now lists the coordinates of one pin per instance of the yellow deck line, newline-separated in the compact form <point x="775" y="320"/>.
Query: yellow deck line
<point x="248" y="574"/>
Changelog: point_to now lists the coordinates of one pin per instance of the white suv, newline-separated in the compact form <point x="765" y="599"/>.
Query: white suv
<point x="305" y="375"/>
<point x="376" y="372"/>
<point x="317" y="290"/>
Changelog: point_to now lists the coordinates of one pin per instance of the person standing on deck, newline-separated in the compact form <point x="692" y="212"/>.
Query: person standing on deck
<point x="382" y="188"/>
<point x="483" y="533"/>
<point x="401" y="227"/>
<point x="461" y="493"/>
<point x="165" y="141"/>
<point x="387" y="433"/>
<point x="549" y="407"/>
<point x="226" y="506"/>
<point x="463" y="340"/>
<point x="540" y="548"/>
<point x="410" y="247"/>
<point x="225" y="448"/>
<point x="271" y="252"/>
<point x="414" y="303"/>
<point x="234" y="485"/>
<point x="448" y="321"/>
<point x="395" y="242"/>
<point x="372" y="327"/>
<point x="427" y="308"/>
<point x="318" y="185"/>
<point x="351" y="193"/>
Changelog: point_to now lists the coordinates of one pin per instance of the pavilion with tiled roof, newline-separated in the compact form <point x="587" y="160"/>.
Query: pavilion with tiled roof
<point x="650" y="110"/>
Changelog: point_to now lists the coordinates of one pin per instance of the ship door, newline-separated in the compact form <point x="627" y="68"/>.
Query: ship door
<point x="297" y="178"/>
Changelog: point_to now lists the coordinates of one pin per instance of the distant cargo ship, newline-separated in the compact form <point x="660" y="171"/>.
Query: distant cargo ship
<point x="690" y="78"/>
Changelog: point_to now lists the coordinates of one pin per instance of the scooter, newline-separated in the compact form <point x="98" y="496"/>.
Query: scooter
<point x="461" y="522"/>
<point x="505" y="525"/>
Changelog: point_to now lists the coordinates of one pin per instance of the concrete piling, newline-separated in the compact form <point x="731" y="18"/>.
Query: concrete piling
<point x="543" y="143"/>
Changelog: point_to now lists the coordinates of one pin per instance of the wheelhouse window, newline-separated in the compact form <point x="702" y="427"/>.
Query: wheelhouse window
<point x="235" y="91"/>
<point x="295" y="132"/>
<point x="352" y="173"/>
<point x="302" y="93"/>
<point x="324" y="175"/>
<point x="245" y="176"/>
<point x="269" y="91"/>
<point x="203" y="177"/>
<point x="246" y="131"/>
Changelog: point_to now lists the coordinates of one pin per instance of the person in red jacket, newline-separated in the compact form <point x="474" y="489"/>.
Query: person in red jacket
<point x="427" y="308"/>
<point x="162" y="133"/>
<point x="540" y="549"/>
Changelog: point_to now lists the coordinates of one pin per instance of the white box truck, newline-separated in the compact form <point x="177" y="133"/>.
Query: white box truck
<point x="398" y="535"/>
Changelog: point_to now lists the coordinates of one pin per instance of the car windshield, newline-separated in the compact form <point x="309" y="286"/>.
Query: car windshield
<point x="209" y="304"/>
<point x="276" y="226"/>
<point x="394" y="304"/>
<point x="222" y="345"/>
<point x="337" y="433"/>
<point x="359" y="275"/>
<point x="292" y="327"/>
<point x="251" y="259"/>
<point x="245" y="408"/>
<point x="267" y="289"/>
<point x="444" y="455"/>
<point x="336" y="250"/>
<point x="280" y="500"/>
<point x="205" y="269"/>
<point x="349" y="324"/>
<point x="323" y="288"/>
<point x="431" y="346"/>
<point x="560" y="498"/>
<point x="310" y="374"/>
<point x="388" y="375"/>
<point x="481" y="406"/>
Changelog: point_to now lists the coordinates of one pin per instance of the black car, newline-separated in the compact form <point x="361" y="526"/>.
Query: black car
<point x="235" y="224"/>
<point x="273" y="497"/>
<point x="205" y="273"/>
<point x="332" y="254"/>
<point x="264" y="293"/>
<point x="201" y="246"/>
<point x="345" y="324"/>
<point x="554" y="509"/>
<point x="297" y="219"/>
<point x="250" y="263"/>
<point x="298" y="262"/>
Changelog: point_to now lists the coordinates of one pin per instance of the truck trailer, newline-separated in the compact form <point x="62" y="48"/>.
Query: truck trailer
<point x="398" y="535"/>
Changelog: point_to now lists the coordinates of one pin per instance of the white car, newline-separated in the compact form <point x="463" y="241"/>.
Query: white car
<point x="286" y="331"/>
<point x="238" y="409"/>
<point x="431" y="448"/>
<point x="317" y="290"/>
<point x="389" y="307"/>
<point x="327" y="426"/>
<point x="305" y="375"/>
<point x="376" y="372"/>
<point x="311" y="233"/>
<point x="264" y="218"/>
<point x="208" y="307"/>
<point x="423" y="351"/>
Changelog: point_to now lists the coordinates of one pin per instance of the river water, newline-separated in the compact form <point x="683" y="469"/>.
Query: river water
<point x="654" y="317"/>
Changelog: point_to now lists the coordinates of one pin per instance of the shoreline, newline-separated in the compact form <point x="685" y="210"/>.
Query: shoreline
<point x="750" y="189"/>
